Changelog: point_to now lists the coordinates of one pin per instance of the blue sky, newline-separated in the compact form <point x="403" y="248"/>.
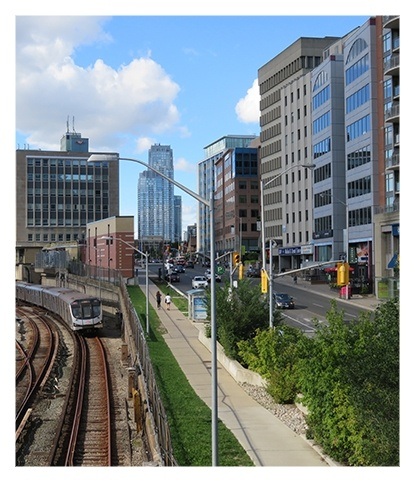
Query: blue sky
<point x="131" y="77"/>
<point x="129" y="81"/>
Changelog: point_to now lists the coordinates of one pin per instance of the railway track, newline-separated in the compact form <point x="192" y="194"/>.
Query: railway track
<point x="35" y="357"/>
<point x="90" y="439"/>
<point x="78" y="414"/>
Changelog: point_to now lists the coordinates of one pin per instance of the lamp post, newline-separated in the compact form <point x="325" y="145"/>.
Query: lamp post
<point x="211" y="205"/>
<point x="263" y="185"/>
<point x="146" y="256"/>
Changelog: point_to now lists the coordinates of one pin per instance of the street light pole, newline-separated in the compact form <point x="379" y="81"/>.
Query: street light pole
<point x="147" y="290"/>
<point x="263" y="185"/>
<point x="211" y="205"/>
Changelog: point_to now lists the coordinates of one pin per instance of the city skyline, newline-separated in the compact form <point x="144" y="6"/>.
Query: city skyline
<point x="124" y="87"/>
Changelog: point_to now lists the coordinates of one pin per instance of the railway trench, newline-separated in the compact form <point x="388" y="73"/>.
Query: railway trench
<point x="128" y="447"/>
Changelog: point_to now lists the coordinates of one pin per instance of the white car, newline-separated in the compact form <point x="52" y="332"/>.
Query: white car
<point x="199" y="282"/>
<point x="209" y="276"/>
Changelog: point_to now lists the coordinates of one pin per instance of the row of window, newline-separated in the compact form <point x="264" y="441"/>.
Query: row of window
<point x="357" y="69"/>
<point x="322" y="122"/>
<point x="358" y="128"/>
<point x="53" y="237"/>
<point x="61" y="177"/>
<point x="321" y="98"/>
<point x="357" y="99"/>
<point x="357" y="217"/>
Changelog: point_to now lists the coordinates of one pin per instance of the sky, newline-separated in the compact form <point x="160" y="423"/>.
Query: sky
<point x="176" y="73"/>
<point x="127" y="82"/>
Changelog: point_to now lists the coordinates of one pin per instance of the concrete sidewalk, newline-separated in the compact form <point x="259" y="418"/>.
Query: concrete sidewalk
<point x="267" y="440"/>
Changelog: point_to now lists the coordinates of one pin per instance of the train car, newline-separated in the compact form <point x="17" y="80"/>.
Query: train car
<point x="78" y="310"/>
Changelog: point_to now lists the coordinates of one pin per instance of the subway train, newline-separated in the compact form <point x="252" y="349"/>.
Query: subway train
<point x="78" y="310"/>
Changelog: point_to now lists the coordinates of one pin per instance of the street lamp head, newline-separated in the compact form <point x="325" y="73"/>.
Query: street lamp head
<point x="103" y="157"/>
<point x="308" y="166"/>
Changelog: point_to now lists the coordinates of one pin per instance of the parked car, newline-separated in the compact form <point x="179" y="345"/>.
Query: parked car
<point x="199" y="282"/>
<point x="173" y="277"/>
<point x="208" y="276"/>
<point x="284" y="301"/>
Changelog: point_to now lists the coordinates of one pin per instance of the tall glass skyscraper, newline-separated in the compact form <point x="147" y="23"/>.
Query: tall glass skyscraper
<point x="156" y="196"/>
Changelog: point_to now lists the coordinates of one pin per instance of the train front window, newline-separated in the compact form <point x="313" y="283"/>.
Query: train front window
<point x="86" y="309"/>
<point x="76" y="309"/>
<point x="96" y="308"/>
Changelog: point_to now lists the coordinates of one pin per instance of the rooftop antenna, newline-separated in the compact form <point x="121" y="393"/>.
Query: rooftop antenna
<point x="73" y="124"/>
<point x="67" y="125"/>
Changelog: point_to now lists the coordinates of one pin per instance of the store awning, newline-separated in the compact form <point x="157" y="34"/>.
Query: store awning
<point x="334" y="269"/>
<point x="394" y="261"/>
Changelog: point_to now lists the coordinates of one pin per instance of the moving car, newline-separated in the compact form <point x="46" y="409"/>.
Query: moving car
<point x="284" y="301"/>
<point x="253" y="272"/>
<point x="179" y="268"/>
<point x="218" y="278"/>
<point x="199" y="282"/>
<point x="189" y="264"/>
<point x="173" y="277"/>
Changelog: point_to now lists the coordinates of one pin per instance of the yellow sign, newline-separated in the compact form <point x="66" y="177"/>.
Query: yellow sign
<point x="264" y="281"/>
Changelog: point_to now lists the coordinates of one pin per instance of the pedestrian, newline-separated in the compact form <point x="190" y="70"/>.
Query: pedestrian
<point x="158" y="298"/>
<point x="295" y="279"/>
<point x="168" y="301"/>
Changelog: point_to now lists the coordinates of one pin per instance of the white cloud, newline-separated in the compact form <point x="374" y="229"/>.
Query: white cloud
<point x="181" y="164"/>
<point x="247" y="108"/>
<point x="143" y="144"/>
<point x="136" y="99"/>
<point x="189" y="214"/>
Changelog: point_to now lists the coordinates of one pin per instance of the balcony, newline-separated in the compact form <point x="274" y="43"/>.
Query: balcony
<point x="393" y="162"/>
<point x="392" y="114"/>
<point x="391" y="66"/>
<point x="390" y="21"/>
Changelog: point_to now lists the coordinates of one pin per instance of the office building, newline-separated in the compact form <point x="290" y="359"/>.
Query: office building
<point x="57" y="194"/>
<point x="206" y="183"/>
<point x="286" y="144"/>
<point x="237" y="203"/>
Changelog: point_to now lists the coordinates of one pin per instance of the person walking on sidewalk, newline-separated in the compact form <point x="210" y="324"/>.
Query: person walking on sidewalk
<point x="168" y="301"/>
<point x="158" y="298"/>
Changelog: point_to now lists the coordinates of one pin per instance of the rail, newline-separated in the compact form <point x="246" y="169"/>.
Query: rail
<point x="156" y="423"/>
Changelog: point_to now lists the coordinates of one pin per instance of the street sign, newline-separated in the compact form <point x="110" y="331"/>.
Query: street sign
<point x="220" y="270"/>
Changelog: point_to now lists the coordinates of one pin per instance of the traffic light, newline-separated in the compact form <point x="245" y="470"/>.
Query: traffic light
<point x="236" y="258"/>
<point x="241" y="271"/>
<point x="264" y="281"/>
<point x="342" y="274"/>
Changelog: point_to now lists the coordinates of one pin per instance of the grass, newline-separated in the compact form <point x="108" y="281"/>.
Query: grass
<point x="190" y="419"/>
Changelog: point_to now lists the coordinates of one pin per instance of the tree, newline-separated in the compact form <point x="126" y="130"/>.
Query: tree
<point x="274" y="354"/>
<point x="239" y="313"/>
<point x="350" y="384"/>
